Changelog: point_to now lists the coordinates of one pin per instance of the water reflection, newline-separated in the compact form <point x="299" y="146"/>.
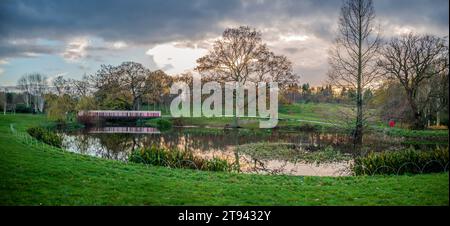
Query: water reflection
<point x="118" y="142"/>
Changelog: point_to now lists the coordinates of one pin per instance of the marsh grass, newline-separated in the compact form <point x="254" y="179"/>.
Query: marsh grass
<point x="292" y="153"/>
<point x="408" y="161"/>
<point x="157" y="156"/>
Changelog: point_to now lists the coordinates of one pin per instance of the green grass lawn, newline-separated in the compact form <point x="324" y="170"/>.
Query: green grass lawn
<point x="36" y="175"/>
<point x="310" y="113"/>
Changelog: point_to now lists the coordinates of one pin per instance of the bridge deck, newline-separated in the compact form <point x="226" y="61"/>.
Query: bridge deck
<point x="121" y="114"/>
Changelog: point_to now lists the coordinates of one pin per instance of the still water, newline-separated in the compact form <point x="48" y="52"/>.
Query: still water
<point x="117" y="142"/>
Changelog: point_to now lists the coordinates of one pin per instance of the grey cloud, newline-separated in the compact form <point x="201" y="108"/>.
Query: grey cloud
<point x="150" y="22"/>
<point x="138" y="21"/>
<point x="157" y="21"/>
<point x="24" y="50"/>
<point x="142" y="22"/>
<point x="291" y="50"/>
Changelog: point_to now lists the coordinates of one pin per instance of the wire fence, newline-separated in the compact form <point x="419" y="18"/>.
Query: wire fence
<point x="25" y="138"/>
<point x="424" y="168"/>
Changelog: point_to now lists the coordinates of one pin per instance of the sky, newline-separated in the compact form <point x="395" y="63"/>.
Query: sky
<point x="72" y="38"/>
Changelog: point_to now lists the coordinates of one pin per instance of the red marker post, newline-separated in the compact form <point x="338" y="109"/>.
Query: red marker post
<point x="391" y="123"/>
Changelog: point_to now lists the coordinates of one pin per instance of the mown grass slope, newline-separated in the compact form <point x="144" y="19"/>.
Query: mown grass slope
<point x="36" y="175"/>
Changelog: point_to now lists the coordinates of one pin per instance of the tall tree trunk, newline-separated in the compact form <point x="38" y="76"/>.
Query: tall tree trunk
<point x="359" y="111"/>
<point x="236" y="150"/>
<point x="4" y="106"/>
<point x="235" y="121"/>
<point x="417" y="124"/>
<point x="236" y="112"/>
<point x="136" y="106"/>
<point x="27" y="99"/>
<point x="438" y="118"/>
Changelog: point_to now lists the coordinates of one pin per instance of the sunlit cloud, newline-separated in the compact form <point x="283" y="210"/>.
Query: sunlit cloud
<point x="290" y="38"/>
<point x="31" y="54"/>
<point x="403" y="30"/>
<point x="51" y="78"/>
<point x="174" y="58"/>
<point x="119" y="45"/>
<point x="76" y="49"/>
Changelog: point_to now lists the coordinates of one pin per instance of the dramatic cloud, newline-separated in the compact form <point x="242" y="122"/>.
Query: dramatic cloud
<point x="76" y="49"/>
<point x="175" y="59"/>
<point x="169" y="34"/>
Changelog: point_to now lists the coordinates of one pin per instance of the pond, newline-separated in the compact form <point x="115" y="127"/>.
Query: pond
<point x="116" y="142"/>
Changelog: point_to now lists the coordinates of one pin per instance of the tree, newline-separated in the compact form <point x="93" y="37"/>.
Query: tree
<point x="305" y="88"/>
<point x="80" y="88"/>
<point x="24" y="84"/>
<point x="133" y="78"/>
<point x="240" y="56"/>
<point x="85" y="103"/>
<point x="109" y="91"/>
<point x="440" y="94"/>
<point x="61" y="85"/>
<point x="126" y="85"/>
<point x="60" y="106"/>
<point x="34" y="86"/>
<point x="158" y="85"/>
<point x="412" y="60"/>
<point x="352" y="59"/>
<point x="391" y="102"/>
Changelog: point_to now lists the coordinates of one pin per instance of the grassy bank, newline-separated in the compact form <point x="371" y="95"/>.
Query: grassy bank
<point x="323" y="117"/>
<point x="31" y="175"/>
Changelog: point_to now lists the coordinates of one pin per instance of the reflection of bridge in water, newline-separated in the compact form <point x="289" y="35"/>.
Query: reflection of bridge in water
<point x="121" y="114"/>
<point x="133" y="130"/>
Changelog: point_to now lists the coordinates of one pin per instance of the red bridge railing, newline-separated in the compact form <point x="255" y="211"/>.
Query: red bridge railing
<point x="121" y="114"/>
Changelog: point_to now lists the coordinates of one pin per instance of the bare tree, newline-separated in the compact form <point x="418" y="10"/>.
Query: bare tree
<point x="352" y="59"/>
<point x="440" y="94"/>
<point x="61" y="85"/>
<point x="34" y="86"/>
<point x="240" y="56"/>
<point x="412" y="60"/>
<point x="24" y="84"/>
<point x="80" y="88"/>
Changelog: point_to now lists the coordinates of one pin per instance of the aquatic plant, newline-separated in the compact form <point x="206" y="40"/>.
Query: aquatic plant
<point x="177" y="159"/>
<point x="408" y="161"/>
<point x="292" y="152"/>
<point x="46" y="136"/>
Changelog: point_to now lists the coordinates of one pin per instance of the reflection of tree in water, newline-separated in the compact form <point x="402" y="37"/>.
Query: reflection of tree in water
<point x="117" y="146"/>
<point x="82" y="143"/>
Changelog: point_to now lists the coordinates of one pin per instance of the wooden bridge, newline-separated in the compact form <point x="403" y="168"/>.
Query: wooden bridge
<point x="120" y="114"/>
<point x="128" y="130"/>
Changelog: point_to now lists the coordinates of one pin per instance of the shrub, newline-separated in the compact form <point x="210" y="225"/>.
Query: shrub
<point x="407" y="161"/>
<point x="217" y="164"/>
<point x="45" y="136"/>
<point x="162" y="124"/>
<point x="177" y="121"/>
<point x="22" y="108"/>
<point x="177" y="159"/>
